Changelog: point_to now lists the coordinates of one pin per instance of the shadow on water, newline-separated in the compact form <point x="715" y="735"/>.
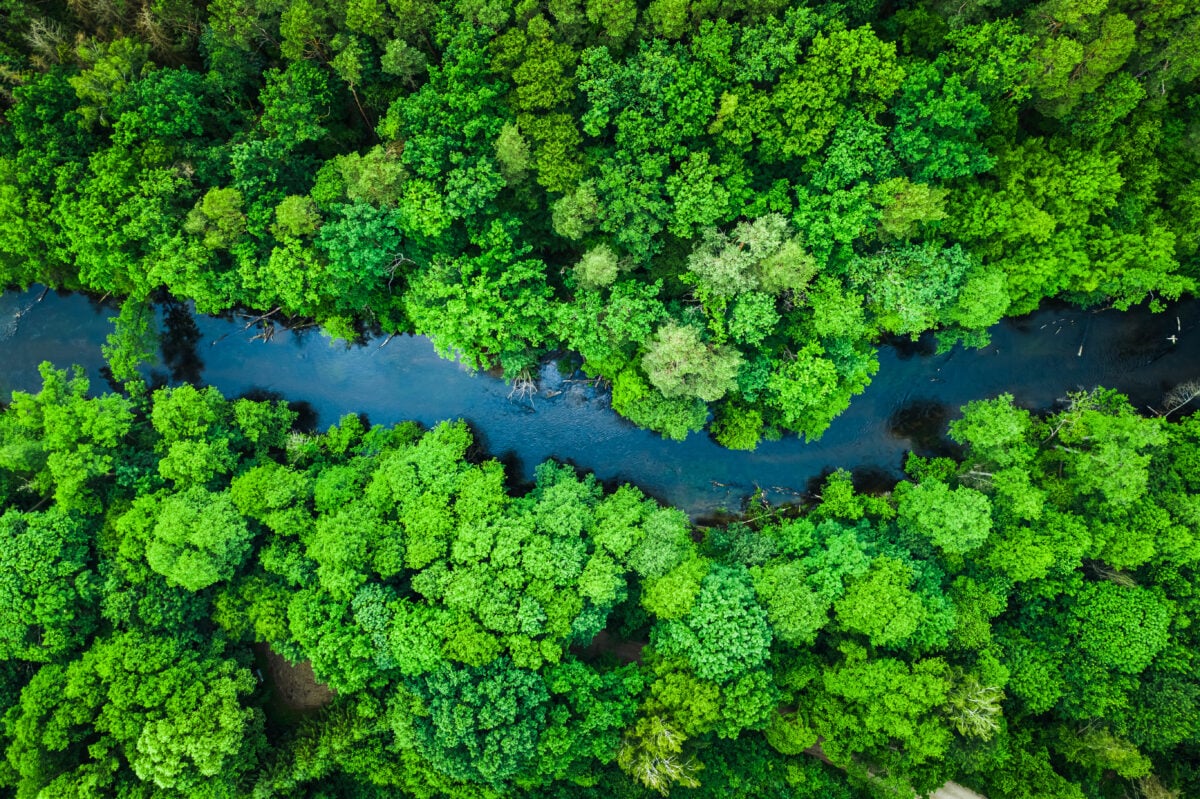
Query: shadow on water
<point x="906" y="349"/>
<point x="262" y="395"/>
<point x="1145" y="341"/>
<point x="179" y="338"/>
<point x="924" y="423"/>
<point x="514" y="468"/>
<point x="1138" y="347"/>
<point x="814" y="484"/>
<point x="873" y="480"/>
<point x="306" y="416"/>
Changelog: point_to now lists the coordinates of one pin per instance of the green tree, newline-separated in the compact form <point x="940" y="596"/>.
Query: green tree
<point x="296" y="216"/>
<point x="62" y="442"/>
<point x="133" y="342"/>
<point x="486" y="308"/>
<point x="110" y="69"/>
<point x="480" y="724"/>
<point x="198" y="538"/>
<point x="1102" y="442"/>
<point x="587" y="713"/>
<point x="738" y="427"/>
<point x="880" y="604"/>
<point x="606" y="330"/>
<point x="725" y="634"/>
<point x="597" y="268"/>
<point x="975" y="708"/>
<point x="956" y="520"/>
<point x="903" y="732"/>
<point x="172" y="716"/>
<point x="218" y="217"/>
<point x="796" y="610"/>
<point x="652" y="753"/>
<point x="938" y="119"/>
<point x="679" y="364"/>
<point x="48" y="587"/>
<point x="1122" y="627"/>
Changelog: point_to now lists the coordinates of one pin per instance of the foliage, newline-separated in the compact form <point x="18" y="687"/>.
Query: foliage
<point x="47" y="587"/>
<point x="482" y="724"/>
<point x="722" y="207"/>
<point x="1018" y="616"/>
<point x="725" y="634"/>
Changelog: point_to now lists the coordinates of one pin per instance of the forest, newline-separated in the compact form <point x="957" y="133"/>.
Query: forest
<point x="1017" y="618"/>
<point x="720" y="207"/>
<point x="720" y="210"/>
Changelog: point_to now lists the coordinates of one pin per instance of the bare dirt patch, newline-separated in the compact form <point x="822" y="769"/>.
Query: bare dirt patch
<point x="605" y="644"/>
<point x="294" y="686"/>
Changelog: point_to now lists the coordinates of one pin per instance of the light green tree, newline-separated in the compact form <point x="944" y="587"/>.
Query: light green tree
<point x="680" y="364"/>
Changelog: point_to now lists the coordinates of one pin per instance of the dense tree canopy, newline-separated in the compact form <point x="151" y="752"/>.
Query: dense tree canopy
<point x="720" y="208"/>
<point x="1017" y="619"/>
<point x="717" y="206"/>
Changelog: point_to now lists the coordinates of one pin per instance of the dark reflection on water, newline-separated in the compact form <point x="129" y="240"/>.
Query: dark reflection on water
<point x="1036" y="358"/>
<point x="873" y="480"/>
<point x="923" y="423"/>
<point x="179" y="339"/>
<point x="905" y="347"/>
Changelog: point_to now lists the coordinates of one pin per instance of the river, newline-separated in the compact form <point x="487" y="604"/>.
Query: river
<point x="916" y="392"/>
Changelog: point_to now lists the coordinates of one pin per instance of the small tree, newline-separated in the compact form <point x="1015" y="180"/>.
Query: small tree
<point x="679" y="364"/>
<point x="652" y="754"/>
<point x="598" y="267"/>
<point x="974" y="708"/>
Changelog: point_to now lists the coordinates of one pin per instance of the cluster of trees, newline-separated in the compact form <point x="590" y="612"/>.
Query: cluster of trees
<point x="718" y="205"/>
<point x="1019" y="618"/>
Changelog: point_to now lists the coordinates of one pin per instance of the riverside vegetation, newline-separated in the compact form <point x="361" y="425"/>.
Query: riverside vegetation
<point x="719" y="205"/>
<point x="1019" y="618"/>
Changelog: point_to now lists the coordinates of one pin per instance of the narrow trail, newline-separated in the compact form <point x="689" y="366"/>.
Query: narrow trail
<point x="952" y="790"/>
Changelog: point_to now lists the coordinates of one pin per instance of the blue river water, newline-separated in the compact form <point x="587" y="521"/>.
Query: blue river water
<point x="1037" y="358"/>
